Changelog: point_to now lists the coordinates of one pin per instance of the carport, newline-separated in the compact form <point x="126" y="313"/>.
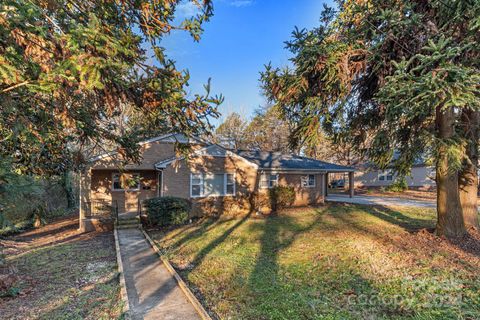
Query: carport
<point x="338" y="173"/>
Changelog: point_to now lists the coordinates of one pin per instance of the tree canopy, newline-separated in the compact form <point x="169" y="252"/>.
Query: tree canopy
<point x="266" y="131"/>
<point x="393" y="76"/>
<point x="67" y="67"/>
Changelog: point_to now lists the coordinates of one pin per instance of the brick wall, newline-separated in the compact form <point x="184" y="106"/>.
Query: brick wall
<point x="176" y="182"/>
<point x="127" y="200"/>
<point x="248" y="196"/>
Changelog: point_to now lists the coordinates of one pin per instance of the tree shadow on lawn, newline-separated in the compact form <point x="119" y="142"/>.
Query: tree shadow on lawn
<point x="86" y="302"/>
<point x="391" y="216"/>
<point x="272" y="296"/>
<point x="52" y="229"/>
<point x="202" y="226"/>
<point x="420" y="242"/>
<point x="213" y="244"/>
<point x="469" y="244"/>
<point x="57" y="272"/>
<point x="278" y="233"/>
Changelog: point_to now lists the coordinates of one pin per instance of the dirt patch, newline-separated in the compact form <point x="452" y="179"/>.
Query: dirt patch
<point x="458" y="255"/>
<point x="60" y="273"/>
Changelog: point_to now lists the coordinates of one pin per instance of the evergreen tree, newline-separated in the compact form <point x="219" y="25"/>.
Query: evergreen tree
<point x="394" y="76"/>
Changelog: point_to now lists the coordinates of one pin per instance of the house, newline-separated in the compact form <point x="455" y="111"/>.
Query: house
<point x="422" y="176"/>
<point x="213" y="178"/>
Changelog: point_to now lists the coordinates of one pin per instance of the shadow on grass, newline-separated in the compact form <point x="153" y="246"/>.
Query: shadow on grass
<point x="54" y="277"/>
<point x="54" y="228"/>
<point x="88" y="302"/>
<point x="470" y="243"/>
<point x="213" y="244"/>
<point x="387" y="214"/>
<point x="204" y="226"/>
<point x="278" y="233"/>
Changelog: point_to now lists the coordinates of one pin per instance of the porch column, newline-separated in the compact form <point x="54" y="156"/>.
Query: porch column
<point x="326" y="184"/>
<point x="351" y="183"/>
<point x="324" y="190"/>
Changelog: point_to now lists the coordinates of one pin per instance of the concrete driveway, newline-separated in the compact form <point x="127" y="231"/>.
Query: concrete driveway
<point x="381" y="201"/>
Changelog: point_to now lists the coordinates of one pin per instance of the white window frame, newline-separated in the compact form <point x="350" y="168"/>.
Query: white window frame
<point x="306" y="181"/>
<point x="270" y="182"/>
<point x="120" y="180"/>
<point x="202" y="176"/>
<point x="225" y="184"/>
<point x="385" y="174"/>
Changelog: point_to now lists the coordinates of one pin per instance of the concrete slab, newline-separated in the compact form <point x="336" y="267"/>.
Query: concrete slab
<point x="381" y="201"/>
<point x="152" y="291"/>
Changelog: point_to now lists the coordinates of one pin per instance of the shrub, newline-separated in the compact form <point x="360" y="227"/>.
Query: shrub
<point x="399" y="185"/>
<point x="166" y="211"/>
<point x="281" y="197"/>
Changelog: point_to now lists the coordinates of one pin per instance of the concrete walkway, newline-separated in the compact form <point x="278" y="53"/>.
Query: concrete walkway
<point x="152" y="291"/>
<point x="382" y="201"/>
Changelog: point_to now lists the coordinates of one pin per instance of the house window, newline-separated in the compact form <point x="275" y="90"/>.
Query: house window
<point x="308" y="181"/>
<point x="386" y="175"/>
<point x="117" y="184"/>
<point x="218" y="184"/>
<point x="213" y="184"/>
<point x="196" y="185"/>
<point x="127" y="181"/>
<point x="268" y="181"/>
<point x="230" y="184"/>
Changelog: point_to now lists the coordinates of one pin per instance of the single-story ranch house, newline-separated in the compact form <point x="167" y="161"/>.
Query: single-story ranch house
<point x="214" y="179"/>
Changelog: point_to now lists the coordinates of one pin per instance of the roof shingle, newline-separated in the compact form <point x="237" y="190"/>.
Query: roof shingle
<point x="285" y="161"/>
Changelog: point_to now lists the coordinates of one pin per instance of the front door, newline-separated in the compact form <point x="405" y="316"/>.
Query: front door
<point x="131" y="200"/>
<point x="132" y="191"/>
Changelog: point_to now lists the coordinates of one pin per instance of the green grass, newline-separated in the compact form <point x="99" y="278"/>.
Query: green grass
<point x="75" y="278"/>
<point x="335" y="262"/>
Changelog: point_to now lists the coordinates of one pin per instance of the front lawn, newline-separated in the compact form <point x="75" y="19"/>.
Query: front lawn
<point x="61" y="274"/>
<point x="335" y="262"/>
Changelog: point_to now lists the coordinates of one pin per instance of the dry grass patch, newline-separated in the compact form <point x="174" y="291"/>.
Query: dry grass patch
<point x="62" y="274"/>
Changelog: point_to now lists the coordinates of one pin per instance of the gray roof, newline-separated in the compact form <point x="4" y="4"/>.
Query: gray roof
<point x="285" y="161"/>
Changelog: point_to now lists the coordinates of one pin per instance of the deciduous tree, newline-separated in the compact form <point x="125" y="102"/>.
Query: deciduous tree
<point x="67" y="66"/>
<point x="231" y="132"/>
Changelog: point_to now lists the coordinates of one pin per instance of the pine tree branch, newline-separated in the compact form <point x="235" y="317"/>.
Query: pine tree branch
<point x="15" y="86"/>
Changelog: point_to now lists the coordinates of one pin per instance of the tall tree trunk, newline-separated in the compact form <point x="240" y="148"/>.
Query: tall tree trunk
<point x="468" y="177"/>
<point x="67" y="187"/>
<point x="449" y="211"/>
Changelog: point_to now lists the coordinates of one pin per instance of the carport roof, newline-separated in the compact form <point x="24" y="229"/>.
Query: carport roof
<point x="286" y="161"/>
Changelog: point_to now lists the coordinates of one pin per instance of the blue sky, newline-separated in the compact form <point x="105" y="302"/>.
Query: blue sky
<point x="241" y="37"/>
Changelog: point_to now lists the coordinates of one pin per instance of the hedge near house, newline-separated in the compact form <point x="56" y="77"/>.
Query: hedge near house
<point x="167" y="211"/>
<point x="281" y="197"/>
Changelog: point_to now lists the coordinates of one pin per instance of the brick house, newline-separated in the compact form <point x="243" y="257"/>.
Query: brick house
<point x="214" y="179"/>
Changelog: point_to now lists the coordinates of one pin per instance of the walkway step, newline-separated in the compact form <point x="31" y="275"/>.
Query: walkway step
<point x="129" y="226"/>
<point x="128" y="221"/>
<point x="153" y="292"/>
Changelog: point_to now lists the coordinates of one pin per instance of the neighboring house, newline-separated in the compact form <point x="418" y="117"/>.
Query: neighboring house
<point x="214" y="179"/>
<point x="422" y="176"/>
